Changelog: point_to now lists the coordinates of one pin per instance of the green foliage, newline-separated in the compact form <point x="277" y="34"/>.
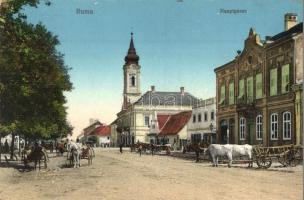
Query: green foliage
<point x="33" y="76"/>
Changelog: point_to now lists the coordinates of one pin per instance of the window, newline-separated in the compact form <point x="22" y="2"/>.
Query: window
<point x="285" y="78"/>
<point x="231" y="93"/>
<point x="273" y="82"/>
<point x="196" y="138"/>
<point x="194" y="118"/>
<point x="250" y="89"/>
<point x="286" y="126"/>
<point x="242" y="128"/>
<point x="205" y="116"/>
<point x="147" y="120"/>
<point x="132" y="80"/>
<point x="222" y="100"/>
<point x="259" y="127"/>
<point x="241" y="88"/>
<point x="212" y="115"/>
<point x="274" y="126"/>
<point x="258" y="86"/>
<point x="199" y="117"/>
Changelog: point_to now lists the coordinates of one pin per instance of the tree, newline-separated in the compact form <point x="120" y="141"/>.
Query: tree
<point x="33" y="76"/>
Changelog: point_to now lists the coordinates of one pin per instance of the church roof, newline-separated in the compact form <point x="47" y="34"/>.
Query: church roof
<point x="167" y="98"/>
<point x="131" y="57"/>
<point x="174" y="123"/>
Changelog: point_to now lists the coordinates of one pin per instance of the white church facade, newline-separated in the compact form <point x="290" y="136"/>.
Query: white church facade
<point x="136" y="120"/>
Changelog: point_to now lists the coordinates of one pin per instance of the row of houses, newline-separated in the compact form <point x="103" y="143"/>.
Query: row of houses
<point x="175" y="128"/>
<point x="258" y="99"/>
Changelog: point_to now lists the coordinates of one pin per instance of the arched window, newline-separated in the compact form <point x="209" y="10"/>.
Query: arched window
<point x="274" y="126"/>
<point x="242" y="128"/>
<point x="133" y="81"/>
<point x="286" y="126"/>
<point x="259" y="127"/>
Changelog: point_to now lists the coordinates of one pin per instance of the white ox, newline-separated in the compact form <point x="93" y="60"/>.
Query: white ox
<point x="229" y="150"/>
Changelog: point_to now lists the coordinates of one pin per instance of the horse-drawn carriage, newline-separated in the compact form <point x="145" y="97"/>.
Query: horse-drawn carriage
<point x="153" y="148"/>
<point x="74" y="155"/>
<point x="35" y="154"/>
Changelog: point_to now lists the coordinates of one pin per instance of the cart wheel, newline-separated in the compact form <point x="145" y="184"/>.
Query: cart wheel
<point x="283" y="160"/>
<point x="294" y="158"/>
<point x="264" y="162"/>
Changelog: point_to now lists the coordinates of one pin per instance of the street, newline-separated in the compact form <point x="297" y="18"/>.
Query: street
<point x="115" y="176"/>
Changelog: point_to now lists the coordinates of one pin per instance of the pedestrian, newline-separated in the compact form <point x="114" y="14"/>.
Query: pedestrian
<point x="140" y="149"/>
<point x="6" y="147"/>
<point x="197" y="154"/>
<point x="152" y="149"/>
<point x="120" y="148"/>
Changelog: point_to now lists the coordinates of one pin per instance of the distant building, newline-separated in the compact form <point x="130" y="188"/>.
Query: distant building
<point x="259" y="92"/>
<point x="202" y="125"/>
<point x="86" y="131"/>
<point x="103" y="134"/>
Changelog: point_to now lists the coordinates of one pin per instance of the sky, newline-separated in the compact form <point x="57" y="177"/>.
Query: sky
<point x="179" y="43"/>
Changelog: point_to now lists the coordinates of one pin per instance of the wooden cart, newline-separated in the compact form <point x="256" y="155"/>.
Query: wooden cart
<point x="287" y="155"/>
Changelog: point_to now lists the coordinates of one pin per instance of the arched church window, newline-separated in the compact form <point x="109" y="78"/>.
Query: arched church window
<point x="132" y="81"/>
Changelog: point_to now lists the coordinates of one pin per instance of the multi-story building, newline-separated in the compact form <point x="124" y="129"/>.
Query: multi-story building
<point x="259" y="92"/>
<point x="202" y="125"/>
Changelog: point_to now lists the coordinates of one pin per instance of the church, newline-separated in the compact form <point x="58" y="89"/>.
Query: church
<point x="137" y="120"/>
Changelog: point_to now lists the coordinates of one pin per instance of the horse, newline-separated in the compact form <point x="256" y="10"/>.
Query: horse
<point x="74" y="153"/>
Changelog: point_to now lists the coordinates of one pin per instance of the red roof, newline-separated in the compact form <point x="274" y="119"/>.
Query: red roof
<point x="175" y="123"/>
<point x="102" y="131"/>
<point x="162" y="119"/>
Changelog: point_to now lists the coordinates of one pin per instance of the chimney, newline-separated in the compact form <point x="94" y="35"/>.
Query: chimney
<point x="182" y="90"/>
<point x="152" y="88"/>
<point x="290" y="20"/>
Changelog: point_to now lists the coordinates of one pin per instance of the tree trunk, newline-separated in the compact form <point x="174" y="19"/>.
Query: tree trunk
<point x="12" y="146"/>
<point x="0" y="147"/>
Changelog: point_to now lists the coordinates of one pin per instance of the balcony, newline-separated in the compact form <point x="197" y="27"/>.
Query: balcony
<point x="245" y="104"/>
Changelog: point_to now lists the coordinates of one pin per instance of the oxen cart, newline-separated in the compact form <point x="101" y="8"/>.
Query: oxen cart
<point x="287" y="155"/>
<point x="36" y="155"/>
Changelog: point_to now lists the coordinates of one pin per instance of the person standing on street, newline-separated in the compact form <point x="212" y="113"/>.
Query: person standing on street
<point x="140" y="149"/>
<point x="120" y="147"/>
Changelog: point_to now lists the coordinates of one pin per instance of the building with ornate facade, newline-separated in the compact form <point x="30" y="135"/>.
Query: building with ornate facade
<point x="259" y="92"/>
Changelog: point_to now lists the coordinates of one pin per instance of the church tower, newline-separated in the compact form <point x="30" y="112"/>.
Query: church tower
<point x="131" y="70"/>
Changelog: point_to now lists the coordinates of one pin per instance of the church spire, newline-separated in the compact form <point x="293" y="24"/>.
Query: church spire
<point x="131" y="56"/>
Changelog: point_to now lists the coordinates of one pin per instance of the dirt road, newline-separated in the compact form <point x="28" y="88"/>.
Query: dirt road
<point x="128" y="176"/>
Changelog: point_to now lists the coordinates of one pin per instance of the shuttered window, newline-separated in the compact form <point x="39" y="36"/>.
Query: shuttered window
<point x="231" y="93"/>
<point x="273" y="82"/>
<point x="258" y="86"/>
<point x="285" y="78"/>
<point x="250" y="89"/>
<point x="241" y="88"/>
